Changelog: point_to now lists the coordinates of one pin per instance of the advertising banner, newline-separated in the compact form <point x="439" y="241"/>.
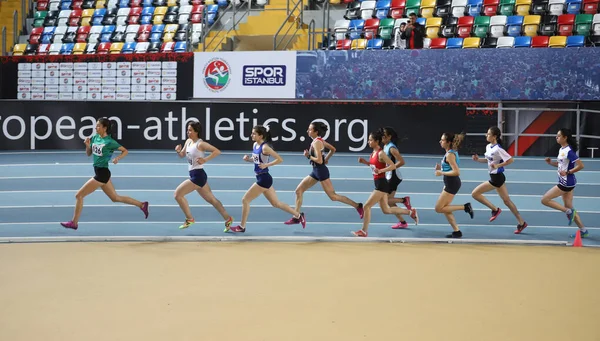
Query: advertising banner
<point x="256" y="75"/>
<point x="101" y="77"/>
<point x="162" y="125"/>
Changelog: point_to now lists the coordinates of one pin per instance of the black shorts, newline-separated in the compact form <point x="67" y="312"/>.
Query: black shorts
<point x="497" y="180"/>
<point x="264" y="180"/>
<point x="382" y="185"/>
<point x="452" y="184"/>
<point x="320" y="173"/>
<point x="393" y="183"/>
<point x="102" y="174"/>
<point x="564" y="188"/>
<point x="198" y="177"/>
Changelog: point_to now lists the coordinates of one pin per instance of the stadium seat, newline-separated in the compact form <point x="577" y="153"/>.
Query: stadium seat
<point x="128" y="47"/>
<point x="167" y="47"/>
<point x="490" y="7"/>
<point x="19" y="49"/>
<point x="590" y="6"/>
<point x="352" y="11"/>
<point x="465" y="25"/>
<point x="54" y="49"/>
<point x="489" y="42"/>
<point x="91" y="48"/>
<point x="556" y="7"/>
<point x="539" y="7"/>
<point x="43" y="49"/>
<point x="583" y="24"/>
<point x="514" y="25"/>
<point x="523" y="41"/>
<point x="573" y="6"/>
<point x="575" y="41"/>
<point x="505" y="42"/>
<point x="531" y="25"/>
<point x="557" y="41"/>
<point x="358" y="44"/>
<point x="397" y="8"/>
<point x="181" y="46"/>
<point x="159" y="15"/>
<point x="438" y="43"/>
<point x="432" y="27"/>
<point x="471" y="43"/>
<point x="343" y="44"/>
<point x="169" y="33"/>
<point x="596" y="25"/>
<point x="449" y="27"/>
<point x="115" y="48"/>
<point x="386" y="28"/>
<point x="141" y="47"/>
<point x="506" y="7"/>
<point x="103" y="48"/>
<point x="412" y="6"/>
<point x="566" y="23"/>
<point x="443" y="8"/>
<point x="497" y="25"/>
<point x="481" y="26"/>
<point x="371" y="28"/>
<point x="367" y="8"/>
<point x="522" y="7"/>
<point x="171" y="15"/>
<point x="39" y="18"/>
<point x="67" y="48"/>
<point x="428" y="8"/>
<point x="458" y="8"/>
<point x="63" y="17"/>
<point x="548" y="25"/>
<point x="454" y="43"/>
<point x="540" y="41"/>
<point x="474" y="7"/>
<point x="79" y="48"/>
<point x="35" y="35"/>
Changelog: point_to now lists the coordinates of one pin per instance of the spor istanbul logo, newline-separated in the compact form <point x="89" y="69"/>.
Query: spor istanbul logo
<point x="217" y="74"/>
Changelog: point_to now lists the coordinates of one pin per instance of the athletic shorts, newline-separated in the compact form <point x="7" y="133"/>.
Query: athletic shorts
<point x="320" y="173"/>
<point x="264" y="180"/>
<point x="198" y="177"/>
<point x="102" y="174"/>
<point x="382" y="185"/>
<point x="452" y="184"/>
<point x="497" y="180"/>
<point x="564" y="188"/>
<point x="393" y="183"/>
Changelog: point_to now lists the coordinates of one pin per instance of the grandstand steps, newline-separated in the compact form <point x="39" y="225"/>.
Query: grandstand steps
<point x="7" y="9"/>
<point x="302" y="42"/>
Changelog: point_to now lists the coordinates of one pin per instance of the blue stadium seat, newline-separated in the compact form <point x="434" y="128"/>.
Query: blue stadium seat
<point x="454" y="43"/>
<point x="576" y="41"/>
<point x="524" y="41"/>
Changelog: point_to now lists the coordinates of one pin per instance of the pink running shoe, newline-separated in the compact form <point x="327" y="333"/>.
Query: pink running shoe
<point x="414" y="215"/>
<point x="238" y="229"/>
<point x="292" y="221"/>
<point x="400" y="225"/>
<point x="495" y="214"/>
<point x="360" y="210"/>
<point x="302" y="220"/>
<point x="70" y="225"/>
<point x="360" y="233"/>
<point x="145" y="209"/>
<point x="407" y="203"/>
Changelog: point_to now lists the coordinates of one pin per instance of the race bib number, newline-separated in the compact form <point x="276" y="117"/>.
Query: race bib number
<point x="373" y="168"/>
<point x="97" y="149"/>
<point x="189" y="158"/>
<point x="255" y="158"/>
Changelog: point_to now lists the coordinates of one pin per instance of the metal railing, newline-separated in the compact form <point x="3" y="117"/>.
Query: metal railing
<point x="311" y="34"/>
<point x="297" y="14"/>
<point x="241" y="11"/>
<point x="4" y="41"/>
<point x="15" y="27"/>
<point x="517" y="110"/>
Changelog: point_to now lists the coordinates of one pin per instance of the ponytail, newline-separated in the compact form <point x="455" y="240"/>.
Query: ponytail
<point x="571" y="140"/>
<point x="110" y="126"/>
<point x="455" y="139"/>
<point x="497" y="134"/>
<point x="263" y="131"/>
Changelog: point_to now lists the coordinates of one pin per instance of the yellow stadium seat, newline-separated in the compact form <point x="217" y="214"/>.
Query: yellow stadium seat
<point x="169" y="33"/>
<point x="171" y="3"/>
<point x="557" y="41"/>
<point x="159" y="15"/>
<point x="522" y="7"/>
<point x="531" y="25"/>
<point x="471" y="43"/>
<point x="79" y="48"/>
<point x="115" y="48"/>
<point x="427" y="8"/>
<point x="359" y="44"/>
<point x="19" y="49"/>
<point x="432" y="27"/>
<point x="100" y="4"/>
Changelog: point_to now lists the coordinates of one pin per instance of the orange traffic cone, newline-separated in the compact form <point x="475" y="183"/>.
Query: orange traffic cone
<point x="577" y="242"/>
